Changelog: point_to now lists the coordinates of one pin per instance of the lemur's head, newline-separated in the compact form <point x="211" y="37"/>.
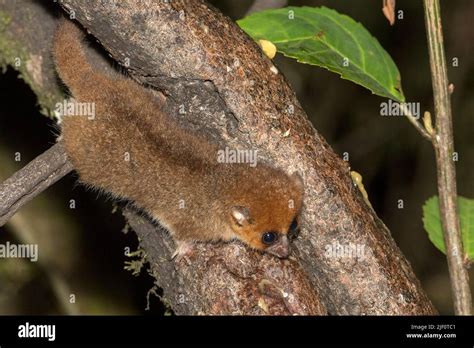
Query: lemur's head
<point x="265" y="215"/>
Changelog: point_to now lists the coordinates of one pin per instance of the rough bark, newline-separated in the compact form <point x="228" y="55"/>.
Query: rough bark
<point x="217" y="81"/>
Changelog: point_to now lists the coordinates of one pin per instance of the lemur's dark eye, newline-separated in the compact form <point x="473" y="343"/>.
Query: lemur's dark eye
<point x="293" y="229"/>
<point x="269" y="238"/>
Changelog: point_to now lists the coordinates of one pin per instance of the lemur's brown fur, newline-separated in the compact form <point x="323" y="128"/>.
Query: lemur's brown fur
<point x="168" y="166"/>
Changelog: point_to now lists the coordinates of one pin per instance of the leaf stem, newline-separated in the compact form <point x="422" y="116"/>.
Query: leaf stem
<point x="419" y="127"/>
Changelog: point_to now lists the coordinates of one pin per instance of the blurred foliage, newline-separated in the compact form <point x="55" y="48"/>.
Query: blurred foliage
<point x="432" y="224"/>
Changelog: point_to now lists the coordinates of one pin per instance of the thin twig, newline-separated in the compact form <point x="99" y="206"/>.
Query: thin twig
<point x="444" y="148"/>
<point x="260" y="5"/>
<point x="31" y="180"/>
<point x="22" y="228"/>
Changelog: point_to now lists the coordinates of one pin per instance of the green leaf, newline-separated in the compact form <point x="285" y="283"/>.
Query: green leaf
<point x="321" y="36"/>
<point x="432" y="223"/>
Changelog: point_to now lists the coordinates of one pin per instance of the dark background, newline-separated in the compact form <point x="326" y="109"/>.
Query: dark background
<point x="84" y="247"/>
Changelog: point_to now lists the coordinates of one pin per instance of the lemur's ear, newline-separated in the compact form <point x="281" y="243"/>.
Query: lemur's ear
<point x="241" y="216"/>
<point x="297" y="180"/>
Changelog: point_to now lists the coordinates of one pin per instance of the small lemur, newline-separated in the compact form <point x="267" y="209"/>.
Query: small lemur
<point x="133" y="150"/>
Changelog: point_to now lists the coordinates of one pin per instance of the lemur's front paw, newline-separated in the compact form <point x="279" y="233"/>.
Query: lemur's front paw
<point x="183" y="251"/>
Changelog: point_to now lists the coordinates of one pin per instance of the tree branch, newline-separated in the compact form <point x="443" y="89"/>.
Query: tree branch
<point x="218" y="82"/>
<point x="229" y="91"/>
<point x="31" y="180"/>
<point x="443" y="143"/>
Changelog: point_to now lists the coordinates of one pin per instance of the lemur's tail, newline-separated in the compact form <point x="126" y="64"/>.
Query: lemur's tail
<point x="68" y="52"/>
